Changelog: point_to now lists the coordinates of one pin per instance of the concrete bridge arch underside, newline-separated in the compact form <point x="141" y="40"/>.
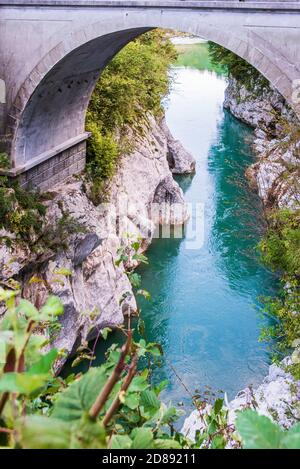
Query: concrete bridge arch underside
<point x="53" y="52"/>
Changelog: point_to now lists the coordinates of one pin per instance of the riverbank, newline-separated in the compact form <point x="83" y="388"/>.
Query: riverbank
<point x="275" y="177"/>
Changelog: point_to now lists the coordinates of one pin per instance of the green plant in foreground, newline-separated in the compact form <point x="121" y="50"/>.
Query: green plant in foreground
<point x="110" y="406"/>
<point x="259" y="432"/>
<point x="102" y="408"/>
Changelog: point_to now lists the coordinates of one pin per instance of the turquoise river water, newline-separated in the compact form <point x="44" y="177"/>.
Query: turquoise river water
<point x="204" y="308"/>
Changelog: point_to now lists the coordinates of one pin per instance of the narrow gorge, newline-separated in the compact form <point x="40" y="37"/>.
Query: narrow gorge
<point x="275" y="177"/>
<point x="164" y="260"/>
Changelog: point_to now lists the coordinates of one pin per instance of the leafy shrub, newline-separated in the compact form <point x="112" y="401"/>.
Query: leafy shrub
<point x="4" y="161"/>
<point x="237" y="67"/>
<point x="280" y="250"/>
<point x="21" y="211"/>
<point x="102" y="153"/>
<point x="284" y="309"/>
<point x="281" y="245"/>
<point x="6" y="203"/>
<point x="132" y="84"/>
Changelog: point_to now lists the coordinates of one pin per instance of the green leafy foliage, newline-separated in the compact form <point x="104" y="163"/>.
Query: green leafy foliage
<point x="237" y="67"/>
<point x="132" y="84"/>
<point x="259" y="432"/>
<point x="40" y="432"/>
<point x="109" y="406"/>
<point x="280" y="246"/>
<point x="102" y="155"/>
<point x="78" y="398"/>
<point x="42" y="411"/>
<point x="216" y="431"/>
<point x="280" y="250"/>
<point x="4" y="161"/>
<point x="121" y="442"/>
<point x="21" y="211"/>
<point x="32" y="380"/>
<point x="130" y="255"/>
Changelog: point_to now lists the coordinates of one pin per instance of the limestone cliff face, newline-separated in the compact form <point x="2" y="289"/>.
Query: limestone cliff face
<point x="82" y="271"/>
<point x="276" y="177"/>
<point x="258" y="107"/>
<point x="277" y="142"/>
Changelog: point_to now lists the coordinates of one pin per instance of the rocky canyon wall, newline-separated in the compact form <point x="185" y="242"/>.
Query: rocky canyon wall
<point x="276" y="173"/>
<point x="80" y="267"/>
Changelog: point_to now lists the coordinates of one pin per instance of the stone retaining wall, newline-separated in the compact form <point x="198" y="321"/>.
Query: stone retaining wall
<point x="56" y="169"/>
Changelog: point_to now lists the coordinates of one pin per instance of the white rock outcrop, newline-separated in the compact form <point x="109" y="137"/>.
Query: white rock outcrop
<point x="180" y="160"/>
<point x="277" y="145"/>
<point x="278" y="397"/>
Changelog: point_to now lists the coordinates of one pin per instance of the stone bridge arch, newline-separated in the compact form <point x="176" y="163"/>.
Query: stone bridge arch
<point x="47" y="113"/>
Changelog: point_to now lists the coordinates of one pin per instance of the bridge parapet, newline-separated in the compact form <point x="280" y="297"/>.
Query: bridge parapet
<point x="221" y="4"/>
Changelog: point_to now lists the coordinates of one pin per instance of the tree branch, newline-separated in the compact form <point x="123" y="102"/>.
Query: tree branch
<point x="117" y="402"/>
<point x="113" y="379"/>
